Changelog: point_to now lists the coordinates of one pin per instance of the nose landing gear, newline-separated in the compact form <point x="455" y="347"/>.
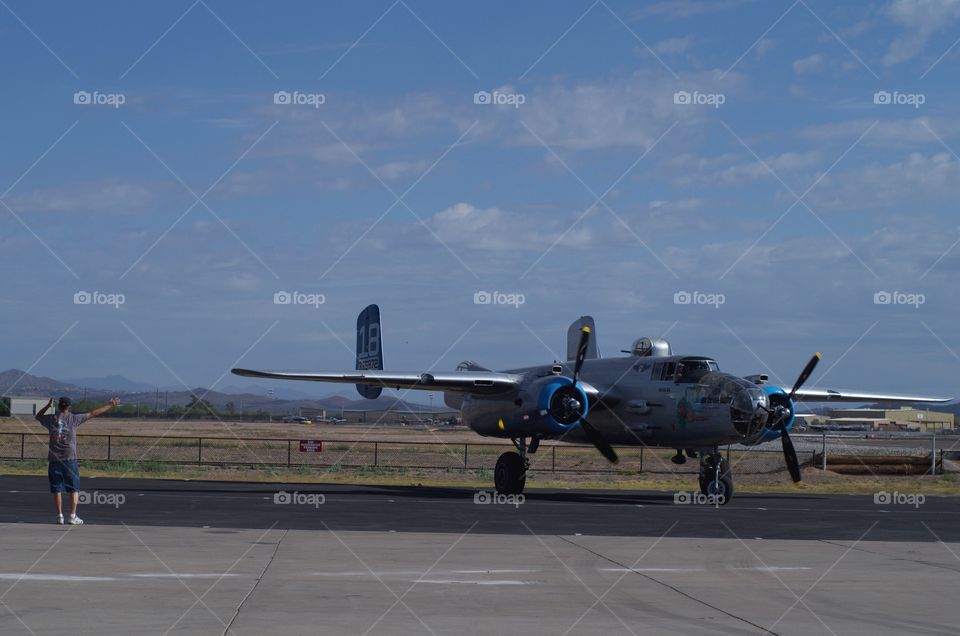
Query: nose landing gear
<point x="715" y="479"/>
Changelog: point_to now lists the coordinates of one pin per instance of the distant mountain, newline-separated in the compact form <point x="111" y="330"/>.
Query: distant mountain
<point x="116" y="383"/>
<point x="17" y="382"/>
<point x="282" y="391"/>
<point x="101" y="389"/>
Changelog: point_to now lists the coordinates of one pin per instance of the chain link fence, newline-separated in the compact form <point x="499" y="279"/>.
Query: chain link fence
<point x="469" y="456"/>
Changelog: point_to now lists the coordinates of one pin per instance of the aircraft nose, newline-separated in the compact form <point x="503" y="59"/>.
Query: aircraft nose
<point x="753" y="401"/>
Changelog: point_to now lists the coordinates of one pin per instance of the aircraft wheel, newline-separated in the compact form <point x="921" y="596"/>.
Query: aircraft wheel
<point x="510" y="475"/>
<point x="722" y="487"/>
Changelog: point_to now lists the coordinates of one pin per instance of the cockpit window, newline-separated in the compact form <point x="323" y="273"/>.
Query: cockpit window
<point x="663" y="371"/>
<point x="692" y="369"/>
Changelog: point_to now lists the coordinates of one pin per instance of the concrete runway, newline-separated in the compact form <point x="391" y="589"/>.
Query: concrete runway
<point x="214" y="558"/>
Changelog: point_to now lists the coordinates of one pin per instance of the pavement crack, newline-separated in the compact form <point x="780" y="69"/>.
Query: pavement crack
<point x="677" y="590"/>
<point x="256" y="583"/>
<point x="932" y="564"/>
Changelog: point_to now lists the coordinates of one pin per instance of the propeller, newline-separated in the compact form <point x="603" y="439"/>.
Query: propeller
<point x="592" y="434"/>
<point x="789" y="452"/>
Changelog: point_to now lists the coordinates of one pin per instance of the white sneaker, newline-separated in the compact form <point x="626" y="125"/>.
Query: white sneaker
<point x="75" y="520"/>
<point x="59" y="520"/>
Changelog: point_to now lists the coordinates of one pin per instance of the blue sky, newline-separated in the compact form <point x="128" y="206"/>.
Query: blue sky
<point x="788" y="161"/>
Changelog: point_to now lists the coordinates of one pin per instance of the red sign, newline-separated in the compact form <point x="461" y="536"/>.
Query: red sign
<point x="311" y="446"/>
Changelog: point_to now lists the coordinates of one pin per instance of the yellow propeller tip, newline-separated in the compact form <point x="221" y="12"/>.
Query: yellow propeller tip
<point x="819" y="355"/>
<point x="585" y="329"/>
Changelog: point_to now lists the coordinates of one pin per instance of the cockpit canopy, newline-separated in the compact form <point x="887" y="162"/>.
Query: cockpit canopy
<point x="686" y="370"/>
<point x="651" y="348"/>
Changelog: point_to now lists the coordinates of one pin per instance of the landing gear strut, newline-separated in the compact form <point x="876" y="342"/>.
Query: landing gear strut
<point x="510" y="475"/>
<point x="715" y="479"/>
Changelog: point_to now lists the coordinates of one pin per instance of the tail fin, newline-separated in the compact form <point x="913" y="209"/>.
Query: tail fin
<point x="369" y="349"/>
<point x="573" y="338"/>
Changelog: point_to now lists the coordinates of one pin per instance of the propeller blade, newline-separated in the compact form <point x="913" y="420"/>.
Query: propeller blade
<point x="790" y="456"/>
<point x="581" y="352"/>
<point x="597" y="440"/>
<point x="805" y="374"/>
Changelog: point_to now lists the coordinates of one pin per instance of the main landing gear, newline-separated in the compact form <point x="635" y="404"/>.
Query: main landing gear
<point x="715" y="478"/>
<point x="510" y="475"/>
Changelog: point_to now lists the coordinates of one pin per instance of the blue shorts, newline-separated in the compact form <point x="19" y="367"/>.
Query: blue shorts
<point x="64" y="476"/>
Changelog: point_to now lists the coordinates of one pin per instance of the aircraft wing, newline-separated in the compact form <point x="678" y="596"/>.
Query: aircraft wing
<point x="831" y="395"/>
<point x="459" y="381"/>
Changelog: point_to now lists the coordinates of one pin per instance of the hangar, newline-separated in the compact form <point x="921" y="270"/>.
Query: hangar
<point x="21" y="405"/>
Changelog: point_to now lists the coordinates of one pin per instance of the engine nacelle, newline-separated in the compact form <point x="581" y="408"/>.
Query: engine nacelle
<point x="777" y="397"/>
<point x="547" y="407"/>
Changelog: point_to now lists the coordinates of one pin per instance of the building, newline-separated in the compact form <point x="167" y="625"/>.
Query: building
<point x="905" y="418"/>
<point x="22" y="405"/>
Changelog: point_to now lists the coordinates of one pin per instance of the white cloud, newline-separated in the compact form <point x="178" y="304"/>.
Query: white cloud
<point x="810" y="64"/>
<point x="689" y="8"/>
<point x="632" y="111"/>
<point x="463" y="225"/>
<point x="920" y="20"/>
<point x="101" y="198"/>
<point x="914" y="183"/>
<point x="397" y="169"/>
<point x="764" y="46"/>
<point x="672" y="46"/>
<point x="750" y="169"/>
<point x="896" y="133"/>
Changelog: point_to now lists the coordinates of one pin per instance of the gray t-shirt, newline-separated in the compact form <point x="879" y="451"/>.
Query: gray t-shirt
<point x="63" y="434"/>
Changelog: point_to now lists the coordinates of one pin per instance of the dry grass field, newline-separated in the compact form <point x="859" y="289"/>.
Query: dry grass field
<point x="398" y="455"/>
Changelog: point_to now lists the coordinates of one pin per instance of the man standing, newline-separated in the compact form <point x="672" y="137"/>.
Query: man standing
<point x="64" y="471"/>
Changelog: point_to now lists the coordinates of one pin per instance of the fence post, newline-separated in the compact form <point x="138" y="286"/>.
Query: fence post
<point x="553" y="459"/>
<point x="109" y="445"/>
<point x="376" y="454"/>
<point x="22" y="443"/>
<point x="641" y="459"/>
<point x="199" y="451"/>
<point x="933" y="454"/>
<point x="289" y="442"/>
<point x="824" y="458"/>
<point x="465" y="449"/>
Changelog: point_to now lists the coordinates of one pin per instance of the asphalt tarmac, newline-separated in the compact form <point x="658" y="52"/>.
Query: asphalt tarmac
<point x="215" y="558"/>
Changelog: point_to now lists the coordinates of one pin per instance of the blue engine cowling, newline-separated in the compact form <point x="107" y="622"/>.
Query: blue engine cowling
<point x="538" y="410"/>
<point x="549" y="424"/>
<point x="777" y="397"/>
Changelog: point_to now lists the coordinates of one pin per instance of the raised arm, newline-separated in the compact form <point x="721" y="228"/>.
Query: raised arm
<point x="44" y="410"/>
<point x="103" y="409"/>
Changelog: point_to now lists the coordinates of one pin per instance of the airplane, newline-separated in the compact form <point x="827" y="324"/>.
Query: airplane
<point x="649" y="397"/>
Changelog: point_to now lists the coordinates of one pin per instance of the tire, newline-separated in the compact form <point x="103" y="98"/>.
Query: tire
<point x="510" y="476"/>
<point x="722" y="487"/>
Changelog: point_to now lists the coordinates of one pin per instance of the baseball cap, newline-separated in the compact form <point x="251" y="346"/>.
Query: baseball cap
<point x="64" y="402"/>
